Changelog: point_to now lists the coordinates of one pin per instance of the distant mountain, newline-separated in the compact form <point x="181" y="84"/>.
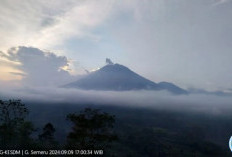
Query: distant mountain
<point x="172" y="88"/>
<point x="202" y="91"/>
<point x="116" y="77"/>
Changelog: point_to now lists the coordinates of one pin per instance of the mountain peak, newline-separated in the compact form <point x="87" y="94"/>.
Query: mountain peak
<point x="116" y="77"/>
<point x="114" y="68"/>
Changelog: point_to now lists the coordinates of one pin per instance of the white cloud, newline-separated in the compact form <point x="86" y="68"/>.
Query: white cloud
<point x="170" y="36"/>
<point x="38" y="68"/>
<point x="46" y="24"/>
<point x="209" y="104"/>
<point x="219" y="2"/>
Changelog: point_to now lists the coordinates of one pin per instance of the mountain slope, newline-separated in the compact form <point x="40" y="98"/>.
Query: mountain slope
<point x="116" y="77"/>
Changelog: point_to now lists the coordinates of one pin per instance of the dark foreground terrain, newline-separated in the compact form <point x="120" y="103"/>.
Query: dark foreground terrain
<point x="142" y="132"/>
<point x="150" y="132"/>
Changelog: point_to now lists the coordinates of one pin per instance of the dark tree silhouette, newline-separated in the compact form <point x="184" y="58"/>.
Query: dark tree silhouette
<point x="12" y="111"/>
<point x="47" y="137"/>
<point x="14" y="130"/>
<point x="92" y="129"/>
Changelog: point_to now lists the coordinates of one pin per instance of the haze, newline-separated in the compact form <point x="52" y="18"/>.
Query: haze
<point x="50" y="43"/>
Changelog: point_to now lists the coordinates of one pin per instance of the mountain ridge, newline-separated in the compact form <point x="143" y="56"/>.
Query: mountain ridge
<point x="116" y="77"/>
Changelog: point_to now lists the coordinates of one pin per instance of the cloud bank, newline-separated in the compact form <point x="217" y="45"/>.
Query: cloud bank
<point x="46" y="24"/>
<point x="170" y="36"/>
<point x="37" y="67"/>
<point x="209" y="104"/>
<point x="185" y="42"/>
<point x="43" y="72"/>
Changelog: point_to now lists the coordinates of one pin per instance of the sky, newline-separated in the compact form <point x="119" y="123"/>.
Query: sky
<point x="186" y="42"/>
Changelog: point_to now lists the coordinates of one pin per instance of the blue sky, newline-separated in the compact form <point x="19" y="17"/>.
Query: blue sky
<point x="187" y="42"/>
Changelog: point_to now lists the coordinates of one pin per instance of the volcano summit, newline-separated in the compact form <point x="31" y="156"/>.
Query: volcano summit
<point x="116" y="77"/>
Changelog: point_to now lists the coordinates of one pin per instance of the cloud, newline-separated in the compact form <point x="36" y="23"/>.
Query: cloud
<point x="108" y="61"/>
<point x="18" y="74"/>
<point x="184" y="42"/>
<point x="169" y="36"/>
<point x="209" y="104"/>
<point x="39" y="68"/>
<point x="47" y="24"/>
<point x="219" y="2"/>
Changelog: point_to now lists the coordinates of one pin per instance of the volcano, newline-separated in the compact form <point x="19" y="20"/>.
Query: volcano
<point x="116" y="77"/>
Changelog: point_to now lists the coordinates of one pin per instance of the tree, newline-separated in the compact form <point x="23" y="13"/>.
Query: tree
<point x="47" y="137"/>
<point x="12" y="111"/>
<point x="92" y="129"/>
<point x="14" y="130"/>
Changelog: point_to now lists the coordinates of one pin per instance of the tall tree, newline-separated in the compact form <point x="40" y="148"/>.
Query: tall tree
<point x="14" y="130"/>
<point x="92" y="129"/>
<point x="47" y="137"/>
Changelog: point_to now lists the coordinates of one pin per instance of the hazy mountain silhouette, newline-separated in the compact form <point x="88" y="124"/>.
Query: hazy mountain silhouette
<point x="203" y="91"/>
<point x="116" y="77"/>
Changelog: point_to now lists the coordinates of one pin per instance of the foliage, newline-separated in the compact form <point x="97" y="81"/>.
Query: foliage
<point x="12" y="112"/>
<point x="14" y="130"/>
<point x="140" y="132"/>
<point x="92" y="129"/>
<point x="47" y="137"/>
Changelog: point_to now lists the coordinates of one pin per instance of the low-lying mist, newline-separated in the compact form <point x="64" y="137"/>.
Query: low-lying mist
<point x="146" y="99"/>
<point x="40" y="85"/>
